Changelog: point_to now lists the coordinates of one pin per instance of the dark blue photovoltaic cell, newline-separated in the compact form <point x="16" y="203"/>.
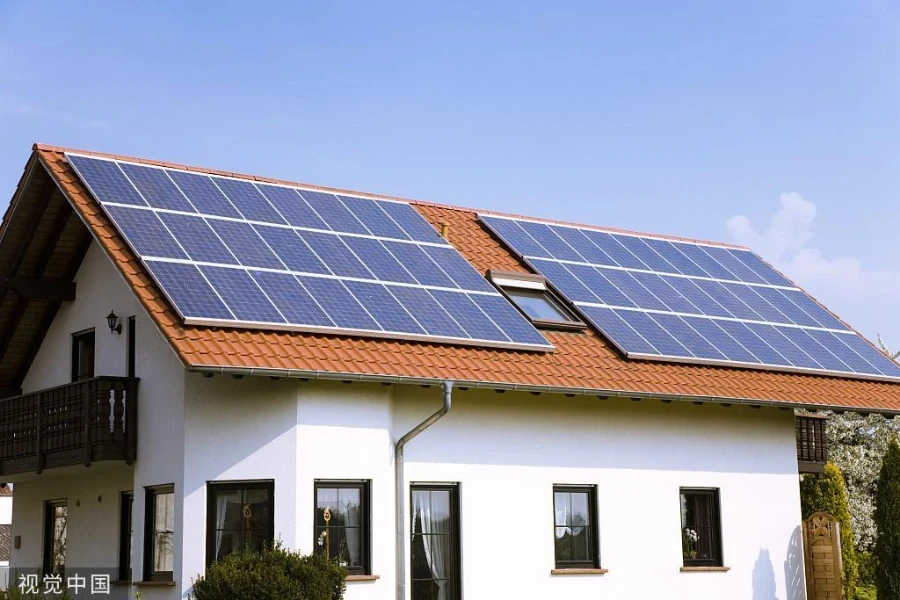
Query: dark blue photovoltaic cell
<point x="336" y="255"/>
<point x="245" y="244"/>
<point x="735" y="306"/>
<point x="428" y="312"/>
<point x="725" y="258"/>
<point x="705" y="304"/>
<point x="188" y="290"/>
<point x="197" y="239"/>
<point x="651" y="331"/>
<point x="630" y="286"/>
<point x="339" y="304"/>
<point x="833" y="342"/>
<point x="252" y="205"/>
<point x="611" y="246"/>
<point x="510" y="231"/>
<point x="811" y="346"/>
<point x="599" y="285"/>
<point x="584" y="246"/>
<point x="759" y="266"/>
<point x="145" y="232"/>
<point x="784" y="346"/>
<point x="564" y="281"/>
<point x="465" y="312"/>
<point x="419" y="264"/>
<point x="413" y="223"/>
<point x="246" y="301"/>
<point x="106" y="181"/>
<point x="752" y="342"/>
<point x="685" y="334"/>
<point x="333" y="212"/>
<point x="389" y="313"/>
<point x="291" y="299"/>
<point x="292" y="251"/>
<point x="508" y="318"/>
<point x="374" y="218"/>
<point x="618" y="330"/>
<point x="662" y="290"/>
<point x="156" y="188"/>
<point x="381" y="262"/>
<point x="747" y="294"/>
<point x="706" y="262"/>
<point x="717" y="336"/>
<point x="203" y="194"/>
<point x="675" y="257"/>
<point x="870" y="353"/>
<point x="648" y="255"/>
<point x="554" y="244"/>
<point x="790" y="312"/>
<point x="292" y="207"/>
<point x="814" y="310"/>
<point x="459" y="269"/>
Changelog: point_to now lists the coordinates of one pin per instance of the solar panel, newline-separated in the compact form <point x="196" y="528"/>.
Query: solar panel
<point x="239" y="253"/>
<point x="695" y="302"/>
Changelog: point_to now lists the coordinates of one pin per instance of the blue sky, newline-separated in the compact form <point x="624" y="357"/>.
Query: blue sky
<point x="769" y="123"/>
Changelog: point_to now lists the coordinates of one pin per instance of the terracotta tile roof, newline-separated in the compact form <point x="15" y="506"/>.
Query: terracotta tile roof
<point x="5" y="490"/>
<point x="582" y="361"/>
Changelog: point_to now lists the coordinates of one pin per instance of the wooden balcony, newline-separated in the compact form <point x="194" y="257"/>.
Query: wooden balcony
<point x="79" y="423"/>
<point x="812" y="443"/>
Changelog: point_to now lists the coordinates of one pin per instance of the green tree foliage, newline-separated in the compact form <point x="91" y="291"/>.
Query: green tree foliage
<point x="274" y="574"/>
<point x="887" y="521"/>
<point x="828" y="494"/>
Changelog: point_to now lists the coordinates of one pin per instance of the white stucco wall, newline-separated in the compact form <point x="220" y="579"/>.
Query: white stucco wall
<point x="6" y="503"/>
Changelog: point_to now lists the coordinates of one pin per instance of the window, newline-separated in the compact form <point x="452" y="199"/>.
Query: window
<point x="239" y="515"/>
<point x="83" y="355"/>
<point x="130" y="358"/>
<point x="574" y="526"/>
<point x="342" y="523"/>
<point x="125" y="534"/>
<point x="159" y="533"/>
<point x="701" y="538"/>
<point x="55" y="521"/>
<point x="530" y="294"/>
<point x="435" y="549"/>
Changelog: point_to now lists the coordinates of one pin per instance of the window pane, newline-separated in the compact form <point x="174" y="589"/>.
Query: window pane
<point x="58" y="527"/>
<point x="164" y="532"/>
<point x="342" y="538"/>
<point x="433" y="545"/>
<point x="580" y="513"/>
<point x="700" y="527"/>
<point x="563" y="508"/>
<point x="537" y="305"/>
<point x="575" y="543"/>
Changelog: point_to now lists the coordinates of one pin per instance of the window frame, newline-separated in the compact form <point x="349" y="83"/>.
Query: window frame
<point x="455" y="491"/>
<point x="126" y="533"/>
<point x="50" y="507"/>
<point x="149" y="517"/>
<point x="718" y="558"/>
<point x="505" y="281"/>
<point x="75" y="358"/>
<point x="591" y="491"/>
<point x="131" y="355"/>
<point x="231" y="486"/>
<point x="365" y="530"/>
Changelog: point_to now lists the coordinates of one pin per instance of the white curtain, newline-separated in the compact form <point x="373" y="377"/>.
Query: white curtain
<point x="221" y="509"/>
<point x="352" y="516"/>
<point x="437" y="547"/>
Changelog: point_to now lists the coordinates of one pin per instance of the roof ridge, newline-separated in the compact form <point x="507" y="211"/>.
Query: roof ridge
<point x="466" y="209"/>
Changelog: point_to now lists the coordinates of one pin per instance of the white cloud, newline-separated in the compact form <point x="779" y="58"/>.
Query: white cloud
<point x="864" y="296"/>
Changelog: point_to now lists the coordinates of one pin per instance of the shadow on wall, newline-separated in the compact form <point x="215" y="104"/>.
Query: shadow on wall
<point x="794" y="575"/>
<point x="764" y="577"/>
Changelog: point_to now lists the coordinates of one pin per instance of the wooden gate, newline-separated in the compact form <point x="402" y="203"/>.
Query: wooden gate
<point x="822" y="555"/>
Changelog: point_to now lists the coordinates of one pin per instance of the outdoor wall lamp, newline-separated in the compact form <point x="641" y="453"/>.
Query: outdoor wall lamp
<point x="113" y="321"/>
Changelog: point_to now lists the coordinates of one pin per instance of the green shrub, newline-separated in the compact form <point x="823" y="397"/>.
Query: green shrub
<point x="274" y="574"/>
<point x="865" y="592"/>
<point x="828" y="494"/>
<point x="887" y="522"/>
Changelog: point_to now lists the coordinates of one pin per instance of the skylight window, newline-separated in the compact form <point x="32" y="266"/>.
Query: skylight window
<point x="530" y="294"/>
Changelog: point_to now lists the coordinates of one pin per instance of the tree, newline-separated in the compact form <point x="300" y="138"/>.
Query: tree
<point x="828" y="494"/>
<point x="887" y="520"/>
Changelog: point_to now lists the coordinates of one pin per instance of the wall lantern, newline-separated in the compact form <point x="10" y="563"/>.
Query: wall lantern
<point x="113" y="321"/>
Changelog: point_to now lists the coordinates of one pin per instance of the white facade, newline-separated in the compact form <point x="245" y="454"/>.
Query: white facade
<point x="504" y="451"/>
<point x="6" y="504"/>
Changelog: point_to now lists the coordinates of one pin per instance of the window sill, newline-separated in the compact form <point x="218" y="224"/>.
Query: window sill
<point x="579" y="571"/>
<point x="160" y="583"/>
<point x="705" y="569"/>
<point x="363" y="577"/>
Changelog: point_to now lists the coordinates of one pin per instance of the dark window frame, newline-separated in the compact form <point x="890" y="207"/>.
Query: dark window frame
<point x="231" y="486"/>
<point x="50" y="507"/>
<point x="715" y="518"/>
<point x="126" y="530"/>
<point x="505" y="282"/>
<point x="365" y="530"/>
<point x="594" y="537"/>
<point x="455" y="528"/>
<point x="130" y="361"/>
<point x="149" y="517"/>
<point x="77" y="339"/>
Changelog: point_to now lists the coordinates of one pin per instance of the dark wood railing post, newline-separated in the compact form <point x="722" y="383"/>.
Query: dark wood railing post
<point x="131" y="421"/>
<point x="39" y="434"/>
<point x="89" y="391"/>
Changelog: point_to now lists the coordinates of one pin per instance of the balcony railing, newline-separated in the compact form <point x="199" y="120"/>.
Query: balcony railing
<point x="812" y="443"/>
<point x="79" y="423"/>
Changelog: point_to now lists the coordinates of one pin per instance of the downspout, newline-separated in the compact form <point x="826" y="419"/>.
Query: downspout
<point x="401" y="487"/>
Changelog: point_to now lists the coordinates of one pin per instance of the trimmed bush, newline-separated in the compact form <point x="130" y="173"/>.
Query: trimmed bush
<point x="828" y="494"/>
<point x="887" y="522"/>
<point x="274" y="574"/>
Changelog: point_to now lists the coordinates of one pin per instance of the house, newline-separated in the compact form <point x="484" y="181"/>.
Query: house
<point x="161" y="410"/>
<point x="6" y="495"/>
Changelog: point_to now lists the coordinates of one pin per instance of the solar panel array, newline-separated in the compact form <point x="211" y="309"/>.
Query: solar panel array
<point x="663" y="299"/>
<point x="234" y="252"/>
